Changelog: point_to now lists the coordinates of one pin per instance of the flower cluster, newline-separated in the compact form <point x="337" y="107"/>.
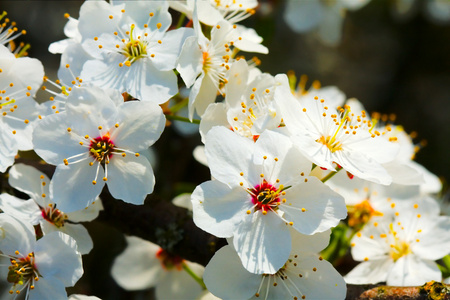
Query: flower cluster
<point x="289" y="166"/>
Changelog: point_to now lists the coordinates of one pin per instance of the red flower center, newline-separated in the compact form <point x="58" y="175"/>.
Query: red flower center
<point x="169" y="261"/>
<point x="265" y="196"/>
<point x="101" y="148"/>
<point x="54" y="216"/>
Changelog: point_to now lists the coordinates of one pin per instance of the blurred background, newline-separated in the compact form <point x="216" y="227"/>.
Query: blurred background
<point x="392" y="62"/>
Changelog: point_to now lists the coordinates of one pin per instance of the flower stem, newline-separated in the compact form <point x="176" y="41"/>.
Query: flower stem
<point x="193" y="275"/>
<point x="182" y="119"/>
<point x="331" y="174"/>
<point x="179" y="105"/>
<point x="181" y="20"/>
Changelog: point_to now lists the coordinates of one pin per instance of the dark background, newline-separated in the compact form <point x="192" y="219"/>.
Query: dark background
<point x="390" y="65"/>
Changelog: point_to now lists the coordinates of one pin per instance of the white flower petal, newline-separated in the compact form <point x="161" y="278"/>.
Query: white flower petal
<point x="323" y="207"/>
<point x="26" y="210"/>
<point x="179" y="285"/>
<point x="218" y="209"/>
<point x="85" y="112"/>
<point x="166" y="56"/>
<point x="241" y="285"/>
<point x="309" y="243"/>
<point x="303" y="16"/>
<point x="290" y="162"/>
<point x="56" y="255"/>
<point x="137" y="268"/>
<point x="52" y="142"/>
<point x="82" y="297"/>
<point x="215" y="115"/>
<point x="16" y="236"/>
<point x="228" y="155"/>
<point x="28" y="180"/>
<point x="410" y="270"/>
<point x="71" y="187"/>
<point x="319" y="279"/>
<point x="183" y="200"/>
<point x="77" y="231"/>
<point x="86" y="214"/>
<point x="48" y="288"/>
<point x="203" y="93"/>
<point x="189" y="63"/>
<point x="369" y="272"/>
<point x="434" y="241"/>
<point x="130" y="178"/>
<point x="140" y="125"/>
<point x="263" y="242"/>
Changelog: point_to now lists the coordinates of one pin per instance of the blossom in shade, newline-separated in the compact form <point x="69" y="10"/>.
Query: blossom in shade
<point x="261" y="189"/>
<point x="325" y="17"/>
<point x="97" y="140"/>
<point x="305" y="275"/>
<point x="401" y="250"/>
<point x="144" y="265"/>
<point x="19" y="80"/>
<point x="41" y="210"/>
<point x="40" y="269"/>
<point x="365" y="199"/>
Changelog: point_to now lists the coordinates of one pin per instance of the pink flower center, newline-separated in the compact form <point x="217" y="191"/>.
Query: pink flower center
<point x="101" y="148"/>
